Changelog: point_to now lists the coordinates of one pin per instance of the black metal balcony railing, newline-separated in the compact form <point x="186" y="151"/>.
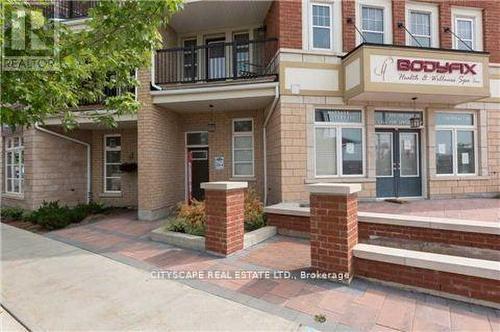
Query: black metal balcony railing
<point x="216" y="61"/>
<point x="68" y="9"/>
<point x="108" y="92"/>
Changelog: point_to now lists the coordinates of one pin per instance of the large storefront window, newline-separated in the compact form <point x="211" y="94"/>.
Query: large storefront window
<point x="14" y="165"/>
<point x="243" y="160"/>
<point x="338" y="139"/>
<point x="455" y="144"/>
<point x="112" y="162"/>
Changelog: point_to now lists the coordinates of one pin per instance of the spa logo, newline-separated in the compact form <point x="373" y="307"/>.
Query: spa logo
<point x="429" y="66"/>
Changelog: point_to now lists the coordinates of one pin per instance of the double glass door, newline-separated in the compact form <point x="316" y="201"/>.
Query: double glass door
<point x="398" y="165"/>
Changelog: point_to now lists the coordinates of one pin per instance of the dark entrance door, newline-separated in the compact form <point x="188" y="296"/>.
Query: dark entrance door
<point x="199" y="171"/>
<point x="398" y="164"/>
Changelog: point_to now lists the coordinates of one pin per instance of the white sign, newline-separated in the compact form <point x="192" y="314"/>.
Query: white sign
<point x="441" y="148"/>
<point x="219" y="163"/>
<point x="465" y="158"/>
<point x="407" y="145"/>
<point x="425" y="71"/>
<point x="349" y="148"/>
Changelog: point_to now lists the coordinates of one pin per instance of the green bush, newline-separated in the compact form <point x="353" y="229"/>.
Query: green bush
<point x="254" y="211"/>
<point x="182" y="226"/>
<point x="11" y="213"/>
<point x="53" y="216"/>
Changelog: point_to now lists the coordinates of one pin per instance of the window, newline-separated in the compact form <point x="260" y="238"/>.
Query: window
<point x="455" y="144"/>
<point x="112" y="162"/>
<point x="242" y="50"/>
<point x="464" y="30"/>
<point x="14" y="165"/>
<point x="372" y="24"/>
<point x="243" y="160"/>
<point x="420" y="28"/>
<point x="190" y="60"/>
<point x="321" y="26"/>
<point x="338" y="140"/>
<point x="197" y="139"/>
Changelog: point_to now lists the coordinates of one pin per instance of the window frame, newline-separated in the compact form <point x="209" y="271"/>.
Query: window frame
<point x="11" y="149"/>
<point x="312" y="26"/>
<point x="468" y="13"/>
<point x="338" y="126"/>
<point x="386" y="6"/>
<point x="457" y="42"/>
<point x="429" y="36"/>
<point x="454" y="129"/>
<point x="362" y="6"/>
<point x="426" y="8"/>
<point x="242" y="134"/>
<point x="105" y="163"/>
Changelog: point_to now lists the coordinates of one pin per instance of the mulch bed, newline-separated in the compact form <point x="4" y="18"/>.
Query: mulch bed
<point x="27" y="226"/>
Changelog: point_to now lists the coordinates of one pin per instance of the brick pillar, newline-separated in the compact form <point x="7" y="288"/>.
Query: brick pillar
<point x="224" y="206"/>
<point x="334" y="227"/>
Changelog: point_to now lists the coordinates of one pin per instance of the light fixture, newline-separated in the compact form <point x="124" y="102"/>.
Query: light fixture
<point x="415" y="120"/>
<point x="211" y="124"/>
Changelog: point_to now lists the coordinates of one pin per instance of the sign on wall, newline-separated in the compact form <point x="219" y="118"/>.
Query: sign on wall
<point x="219" y="163"/>
<point x="425" y="71"/>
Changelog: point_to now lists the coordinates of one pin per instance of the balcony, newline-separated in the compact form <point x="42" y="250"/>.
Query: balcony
<point x="68" y="9"/>
<point x="392" y="73"/>
<point x="217" y="61"/>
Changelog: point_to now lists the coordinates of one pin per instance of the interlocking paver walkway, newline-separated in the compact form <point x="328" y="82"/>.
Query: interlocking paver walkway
<point x="362" y="306"/>
<point x="482" y="209"/>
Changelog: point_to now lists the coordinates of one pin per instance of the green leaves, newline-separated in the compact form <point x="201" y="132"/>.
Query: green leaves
<point x="120" y="37"/>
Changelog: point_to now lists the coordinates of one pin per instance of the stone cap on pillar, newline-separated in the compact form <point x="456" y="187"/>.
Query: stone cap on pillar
<point x="337" y="189"/>
<point x="223" y="185"/>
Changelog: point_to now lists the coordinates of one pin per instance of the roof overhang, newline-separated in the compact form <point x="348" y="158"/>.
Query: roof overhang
<point x="86" y="122"/>
<point x="387" y="73"/>
<point x="231" y="97"/>
<point x="202" y="15"/>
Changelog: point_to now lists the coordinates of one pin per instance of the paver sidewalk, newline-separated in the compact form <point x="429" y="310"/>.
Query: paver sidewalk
<point x="50" y="285"/>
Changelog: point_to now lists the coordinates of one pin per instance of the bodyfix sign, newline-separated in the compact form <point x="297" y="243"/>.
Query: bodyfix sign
<point x="425" y="71"/>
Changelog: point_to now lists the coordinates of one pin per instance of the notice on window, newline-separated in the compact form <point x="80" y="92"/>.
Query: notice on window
<point x="407" y="145"/>
<point x="465" y="158"/>
<point x="219" y="163"/>
<point x="349" y="148"/>
<point x="329" y="133"/>
<point x="442" y="148"/>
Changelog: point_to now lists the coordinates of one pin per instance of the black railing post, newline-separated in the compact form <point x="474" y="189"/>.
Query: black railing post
<point x="235" y="60"/>
<point x="193" y="64"/>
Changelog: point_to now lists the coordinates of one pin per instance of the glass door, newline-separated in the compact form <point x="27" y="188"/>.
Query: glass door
<point x="216" y="59"/>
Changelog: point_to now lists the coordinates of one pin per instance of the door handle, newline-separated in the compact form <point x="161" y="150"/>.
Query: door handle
<point x="395" y="166"/>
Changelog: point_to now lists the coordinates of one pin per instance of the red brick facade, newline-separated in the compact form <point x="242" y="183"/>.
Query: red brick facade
<point x="287" y="224"/>
<point x="225" y="220"/>
<point x="477" y="240"/>
<point x="284" y="21"/>
<point x="467" y="286"/>
<point x="334" y="232"/>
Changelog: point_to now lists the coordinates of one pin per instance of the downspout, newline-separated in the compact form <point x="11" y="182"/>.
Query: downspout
<point x="87" y="145"/>
<point x="264" y="134"/>
<point x="153" y="76"/>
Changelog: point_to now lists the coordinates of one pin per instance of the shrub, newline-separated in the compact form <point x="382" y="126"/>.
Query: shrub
<point x="52" y="216"/>
<point x="254" y="211"/>
<point x="190" y="219"/>
<point x="12" y="213"/>
<point x="182" y="226"/>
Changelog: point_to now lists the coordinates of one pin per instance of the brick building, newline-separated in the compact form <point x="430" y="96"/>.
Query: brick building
<point x="402" y="97"/>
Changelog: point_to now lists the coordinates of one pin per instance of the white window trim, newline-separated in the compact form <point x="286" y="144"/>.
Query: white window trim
<point x="335" y="28"/>
<point x="106" y="163"/>
<point x="386" y="5"/>
<point x="338" y="126"/>
<point x="243" y="134"/>
<point x="427" y="8"/>
<point x="417" y="142"/>
<point x="18" y="149"/>
<point x="311" y="30"/>
<point x="373" y="31"/>
<point x="454" y="129"/>
<point x="474" y="14"/>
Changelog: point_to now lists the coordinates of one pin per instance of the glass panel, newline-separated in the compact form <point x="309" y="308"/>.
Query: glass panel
<point x="423" y="41"/>
<point x="420" y="24"/>
<point x="199" y="155"/>
<point x="16" y="188"/>
<point x="190" y="59"/>
<point x="352" y="151"/>
<point x="9" y="185"/>
<point x="112" y="170"/>
<point x="408" y="154"/>
<point x="242" y="126"/>
<point x="9" y="171"/>
<point x="9" y="158"/>
<point x="465" y="45"/>
<point x="326" y="154"/>
<point x="373" y="19"/>
<point x="444" y="153"/>
<point x="464" y="29"/>
<point x="395" y="118"/>
<point x="243" y="169"/>
<point x="113" y="156"/>
<point x="113" y="184"/>
<point x="321" y="16"/>
<point x="374" y="37"/>
<point x="243" y="155"/>
<point x="383" y="149"/>
<point x="465" y="152"/>
<point x="242" y="54"/>
<point x="321" y="38"/>
<point x="338" y="116"/>
<point x="242" y="142"/>
<point x="113" y="142"/>
<point x="454" y="119"/>
<point x="197" y="138"/>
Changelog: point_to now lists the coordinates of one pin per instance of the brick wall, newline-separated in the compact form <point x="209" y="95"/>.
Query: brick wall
<point x="477" y="240"/>
<point x="274" y="156"/>
<point x="348" y="31"/>
<point x="290" y="225"/>
<point x="160" y="156"/>
<point x="467" y="286"/>
<point x="284" y="20"/>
